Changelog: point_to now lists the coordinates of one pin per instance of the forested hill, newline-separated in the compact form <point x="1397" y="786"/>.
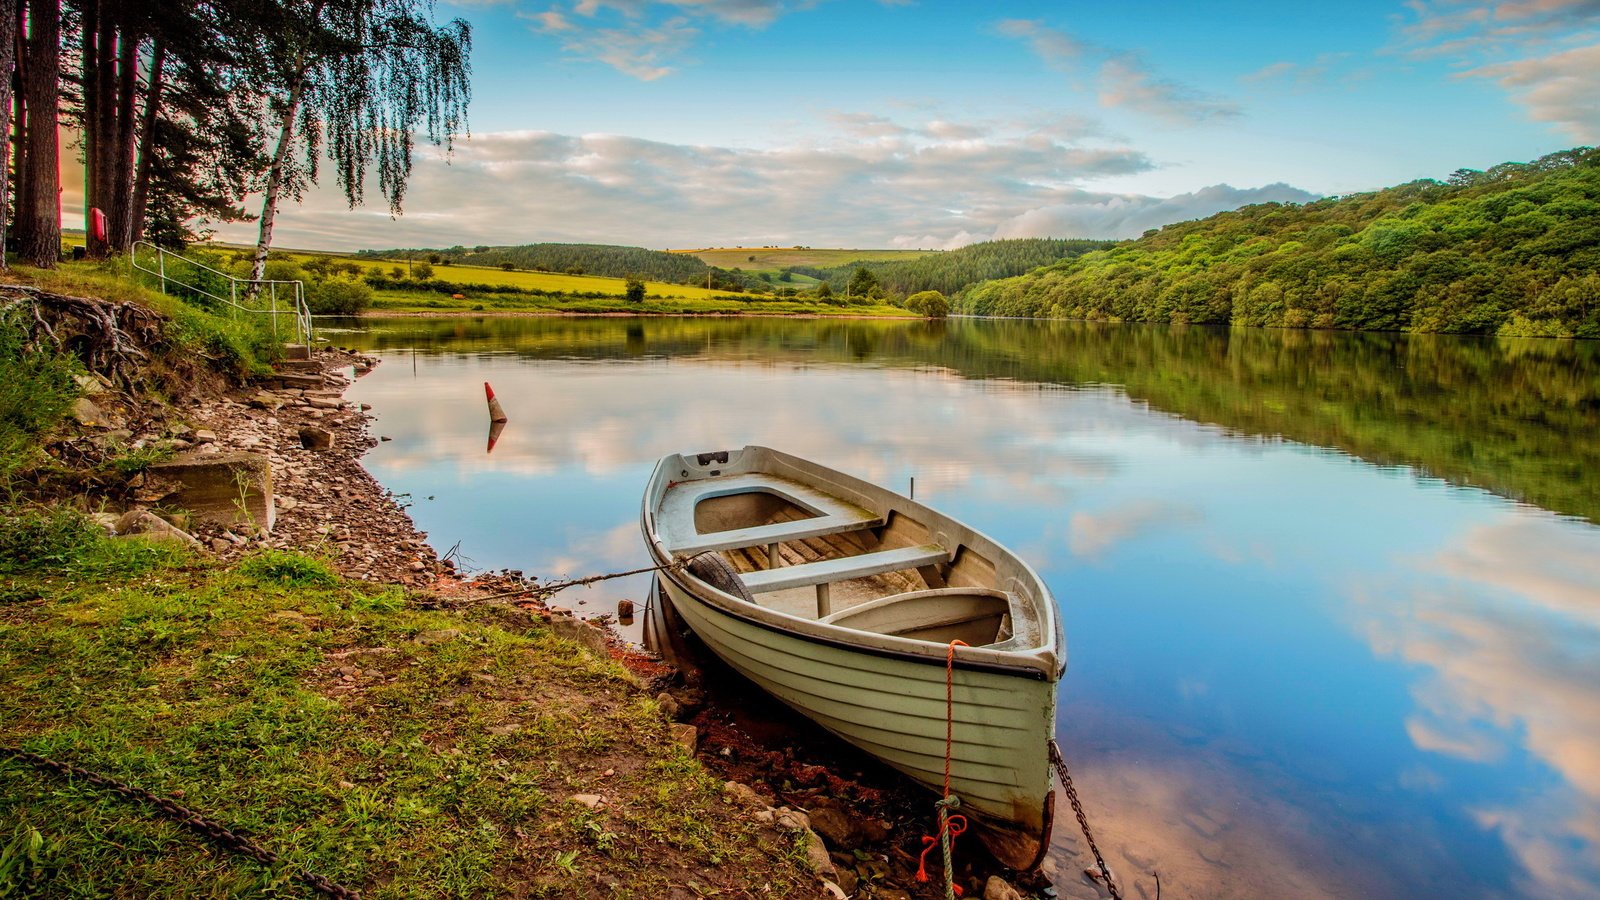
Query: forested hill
<point x="951" y="271"/>
<point x="576" y="259"/>
<point x="1512" y="250"/>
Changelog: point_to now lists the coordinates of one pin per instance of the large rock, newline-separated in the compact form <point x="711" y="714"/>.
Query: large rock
<point x="998" y="888"/>
<point x="835" y="828"/>
<point x="85" y="412"/>
<point x="314" y="438"/>
<point x="227" y="489"/>
<point x="146" y="523"/>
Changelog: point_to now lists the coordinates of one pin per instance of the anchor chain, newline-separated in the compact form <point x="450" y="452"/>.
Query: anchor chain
<point x="1060" y="766"/>
<point x="210" y="829"/>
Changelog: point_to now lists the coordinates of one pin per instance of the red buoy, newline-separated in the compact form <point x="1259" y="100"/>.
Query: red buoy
<point x="496" y="414"/>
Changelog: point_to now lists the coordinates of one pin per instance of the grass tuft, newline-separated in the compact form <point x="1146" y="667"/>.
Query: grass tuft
<point x="284" y="568"/>
<point x="62" y="541"/>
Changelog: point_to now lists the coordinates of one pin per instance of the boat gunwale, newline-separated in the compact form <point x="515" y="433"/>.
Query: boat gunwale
<point x="1045" y="662"/>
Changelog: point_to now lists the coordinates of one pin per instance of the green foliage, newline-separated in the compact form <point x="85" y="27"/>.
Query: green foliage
<point x="338" y="297"/>
<point x="283" y="568"/>
<point x="862" y="281"/>
<point x="633" y="292"/>
<point x="36" y="390"/>
<point x="592" y="259"/>
<point x="1511" y="250"/>
<point x="951" y="271"/>
<point x="928" y="304"/>
<point x="422" y="271"/>
<point x="824" y="291"/>
<point x="58" y="540"/>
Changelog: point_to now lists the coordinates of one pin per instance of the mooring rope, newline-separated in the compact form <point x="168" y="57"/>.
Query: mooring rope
<point x="951" y="826"/>
<point x="554" y="587"/>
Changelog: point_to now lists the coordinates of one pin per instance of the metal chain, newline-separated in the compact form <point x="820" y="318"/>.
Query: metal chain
<point x="210" y="829"/>
<point x="1083" y="820"/>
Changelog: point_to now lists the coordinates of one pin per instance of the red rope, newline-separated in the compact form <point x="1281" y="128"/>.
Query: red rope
<point x="954" y="825"/>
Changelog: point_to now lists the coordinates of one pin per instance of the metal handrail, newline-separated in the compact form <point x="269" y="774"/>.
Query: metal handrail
<point x="254" y="287"/>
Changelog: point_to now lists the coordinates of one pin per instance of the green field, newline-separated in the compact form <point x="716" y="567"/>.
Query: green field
<point x="774" y="258"/>
<point x="540" y="281"/>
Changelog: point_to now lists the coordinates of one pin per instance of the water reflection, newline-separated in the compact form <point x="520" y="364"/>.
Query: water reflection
<point x="1304" y="661"/>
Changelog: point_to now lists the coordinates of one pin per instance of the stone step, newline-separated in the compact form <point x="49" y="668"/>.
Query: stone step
<point x="296" y="351"/>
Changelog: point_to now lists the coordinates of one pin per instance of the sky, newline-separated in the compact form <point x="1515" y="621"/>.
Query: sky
<point x="935" y="123"/>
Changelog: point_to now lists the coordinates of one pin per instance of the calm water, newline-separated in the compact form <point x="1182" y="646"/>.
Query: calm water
<point x="1332" y="601"/>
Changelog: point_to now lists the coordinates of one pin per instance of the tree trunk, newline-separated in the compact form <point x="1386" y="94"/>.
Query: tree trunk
<point x="19" y="142"/>
<point x="91" y="123"/>
<point x="41" y="83"/>
<point x="147" y="145"/>
<point x="280" y="157"/>
<point x="120" y="199"/>
<point x="8" y="61"/>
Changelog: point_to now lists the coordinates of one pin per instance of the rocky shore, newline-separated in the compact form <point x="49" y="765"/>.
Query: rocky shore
<point x="860" y="825"/>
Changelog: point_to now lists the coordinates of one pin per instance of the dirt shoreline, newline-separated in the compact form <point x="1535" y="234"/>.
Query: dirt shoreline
<point x="869" y="819"/>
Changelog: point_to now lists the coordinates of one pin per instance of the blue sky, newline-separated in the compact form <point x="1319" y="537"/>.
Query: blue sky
<point x="933" y="124"/>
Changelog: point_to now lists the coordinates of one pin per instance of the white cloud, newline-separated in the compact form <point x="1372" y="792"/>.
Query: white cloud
<point x="1562" y="89"/>
<point x="1082" y="213"/>
<point x="880" y="182"/>
<point x="1544" y="53"/>
<point x="645" y="38"/>
<point x="1124" y="81"/>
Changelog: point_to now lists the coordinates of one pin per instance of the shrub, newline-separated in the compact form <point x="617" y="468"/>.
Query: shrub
<point x="338" y="297"/>
<point x="634" y="291"/>
<point x="929" y="304"/>
<point x="60" y="540"/>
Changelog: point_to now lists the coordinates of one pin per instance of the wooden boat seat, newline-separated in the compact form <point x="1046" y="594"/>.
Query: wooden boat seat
<point x="979" y="616"/>
<point x="829" y="514"/>
<point x="845" y="568"/>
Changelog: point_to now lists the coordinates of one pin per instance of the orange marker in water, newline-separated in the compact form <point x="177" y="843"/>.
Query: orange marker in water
<point x="496" y="414"/>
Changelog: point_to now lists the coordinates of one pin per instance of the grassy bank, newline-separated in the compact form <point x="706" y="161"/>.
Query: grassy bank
<point x="402" y="752"/>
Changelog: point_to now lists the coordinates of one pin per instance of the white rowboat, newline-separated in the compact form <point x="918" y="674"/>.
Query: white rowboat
<point x="841" y="599"/>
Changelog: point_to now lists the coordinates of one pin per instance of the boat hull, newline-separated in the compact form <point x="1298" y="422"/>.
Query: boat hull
<point x="895" y="709"/>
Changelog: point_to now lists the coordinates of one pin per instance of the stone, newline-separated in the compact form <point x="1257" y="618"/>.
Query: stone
<point x="92" y="384"/>
<point x="833" y="890"/>
<point x="835" y="828"/>
<point x="106" y="520"/>
<point x="580" y="632"/>
<point x="437" y="636"/>
<point x="817" y="858"/>
<point x="848" y="881"/>
<point x="264" y="400"/>
<point x="764" y="816"/>
<point x="792" y="820"/>
<point x="669" y="704"/>
<point x="226" y="489"/>
<point x="85" y="412"/>
<point x="741" y="794"/>
<point x="144" y="522"/>
<point x="889" y="893"/>
<point x="314" y="438"/>
<point x="687" y="735"/>
<point x="221" y="545"/>
<point x="998" y="888"/>
<point x="874" y="831"/>
<point x="593" y="801"/>
<point x="324" y="403"/>
<point x="287" y="503"/>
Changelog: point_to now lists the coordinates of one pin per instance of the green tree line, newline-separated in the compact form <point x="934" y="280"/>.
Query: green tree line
<point x="953" y="270"/>
<point x="1514" y="250"/>
<point x="578" y="259"/>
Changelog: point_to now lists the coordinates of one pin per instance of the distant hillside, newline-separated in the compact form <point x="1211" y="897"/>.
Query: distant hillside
<point x="772" y="258"/>
<point x="573" y="259"/>
<point x="953" y="270"/>
<point x="1513" y="250"/>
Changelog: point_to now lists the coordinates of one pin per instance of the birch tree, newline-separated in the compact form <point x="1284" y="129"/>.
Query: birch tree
<point x="357" y="79"/>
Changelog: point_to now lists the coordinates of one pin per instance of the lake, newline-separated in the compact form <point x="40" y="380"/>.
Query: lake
<point x="1332" y="601"/>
